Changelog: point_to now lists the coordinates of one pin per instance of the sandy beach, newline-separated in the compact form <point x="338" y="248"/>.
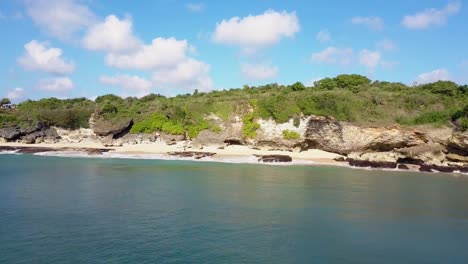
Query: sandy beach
<point x="232" y="152"/>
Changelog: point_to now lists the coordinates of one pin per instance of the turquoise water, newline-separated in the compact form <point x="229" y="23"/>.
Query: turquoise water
<point x="65" y="210"/>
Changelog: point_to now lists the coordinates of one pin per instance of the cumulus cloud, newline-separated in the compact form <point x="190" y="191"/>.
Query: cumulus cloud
<point x="387" y="45"/>
<point x="323" y="36"/>
<point x="259" y="71"/>
<point x="195" y="7"/>
<point x="189" y="75"/>
<point x="433" y="76"/>
<point x="16" y="94"/>
<point x="333" y="55"/>
<point x="58" y="85"/>
<point x="112" y="35"/>
<point x="431" y="17"/>
<point x="161" y="52"/>
<point x="39" y="56"/>
<point x="253" y="32"/>
<point x="372" y="22"/>
<point x="370" y="59"/>
<point x="60" y="18"/>
<point x="128" y="82"/>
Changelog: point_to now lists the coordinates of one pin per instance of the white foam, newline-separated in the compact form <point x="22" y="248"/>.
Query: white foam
<point x="66" y="154"/>
<point x="219" y="159"/>
<point x="10" y="152"/>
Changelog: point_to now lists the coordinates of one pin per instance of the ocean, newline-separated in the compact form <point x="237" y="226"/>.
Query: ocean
<point x="84" y="210"/>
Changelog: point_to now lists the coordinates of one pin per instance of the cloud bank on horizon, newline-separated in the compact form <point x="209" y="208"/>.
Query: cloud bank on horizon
<point x="69" y="48"/>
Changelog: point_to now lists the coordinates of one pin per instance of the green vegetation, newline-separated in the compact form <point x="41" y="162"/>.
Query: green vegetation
<point x="249" y="130"/>
<point x="5" y="101"/>
<point x="296" y="121"/>
<point x="352" y="98"/>
<point x="290" y="135"/>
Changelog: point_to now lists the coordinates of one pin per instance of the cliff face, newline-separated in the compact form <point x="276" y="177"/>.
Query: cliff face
<point x="390" y="147"/>
<point x="328" y="134"/>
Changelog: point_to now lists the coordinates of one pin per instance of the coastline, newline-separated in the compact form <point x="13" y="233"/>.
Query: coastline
<point x="234" y="153"/>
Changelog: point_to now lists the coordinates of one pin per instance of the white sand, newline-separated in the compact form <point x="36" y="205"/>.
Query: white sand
<point x="162" y="149"/>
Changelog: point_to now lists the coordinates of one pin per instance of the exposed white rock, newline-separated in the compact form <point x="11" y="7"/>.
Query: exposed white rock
<point x="269" y="129"/>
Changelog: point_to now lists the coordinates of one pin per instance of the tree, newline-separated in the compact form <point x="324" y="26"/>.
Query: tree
<point x="448" y="88"/>
<point x="298" y="86"/>
<point x="325" y="84"/>
<point x="351" y="80"/>
<point x="5" y="101"/>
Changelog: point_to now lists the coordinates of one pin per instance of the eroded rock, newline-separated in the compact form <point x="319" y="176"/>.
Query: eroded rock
<point x="191" y="154"/>
<point x="273" y="158"/>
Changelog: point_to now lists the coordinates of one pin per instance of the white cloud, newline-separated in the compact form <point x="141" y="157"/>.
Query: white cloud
<point x="259" y="71"/>
<point x="370" y="59"/>
<point x="112" y="35"/>
<point x="253" y="32"/>
<point x="128" y="82"/>
<point x="16" y="94"/>
<point x="431" y="17"/>
<point x="195" y="7"/>
<point x="333" y="55"/>
<point x="162" y="52"/>
<point x="40" y="57"/>
<point x="387" y="45"/>
<point x="323" y="36"/>
<point x="374" y="23"/>
<point x="433" y="76"/>
<point x="60" y="18"/>
<point x="60" y="84"/>
<point x="188" y="75"/>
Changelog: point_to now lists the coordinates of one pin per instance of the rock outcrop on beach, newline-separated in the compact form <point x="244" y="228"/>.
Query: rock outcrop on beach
<point x="273" y="158"/>
<point x="42" y="136"/>
<point x="191" y="154"/>
<point x="328" y="134"/>
<point x="33" y="150"/>
<point x="102" y="127"/>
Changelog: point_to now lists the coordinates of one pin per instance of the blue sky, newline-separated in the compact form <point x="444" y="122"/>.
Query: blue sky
<point x="75" y="48"/>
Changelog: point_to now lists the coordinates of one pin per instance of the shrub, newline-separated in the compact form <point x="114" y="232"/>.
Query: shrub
<point x="298" y="86"/>
<point x="249" y="130"/>
<point x="464" y="124"/>
<point x="290" y="135"/>
<point x="351" y="80"/>
<point x="297" y="121"/>
<point x="216" y="129"/>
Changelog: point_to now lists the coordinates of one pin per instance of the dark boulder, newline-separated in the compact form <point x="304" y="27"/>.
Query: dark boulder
<point x="104" y="128"/>
<point x="403" y="167"/>
<point x="372" y="164"/>
<point x="191" y="154"/>
<point x="48" y="134"/>
<point x="273" y="158"/>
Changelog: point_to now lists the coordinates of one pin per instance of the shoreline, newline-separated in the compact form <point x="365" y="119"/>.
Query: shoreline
<point x="160" y="151"/>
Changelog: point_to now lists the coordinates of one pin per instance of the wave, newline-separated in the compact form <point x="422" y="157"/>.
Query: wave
<point x="10" y="152"/>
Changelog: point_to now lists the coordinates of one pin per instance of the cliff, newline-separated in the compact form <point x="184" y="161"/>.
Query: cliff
<point x="432" y="149"/>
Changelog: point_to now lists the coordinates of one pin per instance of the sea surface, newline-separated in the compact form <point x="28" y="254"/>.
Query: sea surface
<point x="82" y="210"/>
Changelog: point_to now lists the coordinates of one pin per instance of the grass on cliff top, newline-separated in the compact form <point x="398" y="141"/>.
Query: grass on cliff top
<point x="352" y="98"/>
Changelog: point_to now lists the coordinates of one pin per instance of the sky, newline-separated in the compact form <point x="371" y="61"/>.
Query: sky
<point x="87" y="48"/>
